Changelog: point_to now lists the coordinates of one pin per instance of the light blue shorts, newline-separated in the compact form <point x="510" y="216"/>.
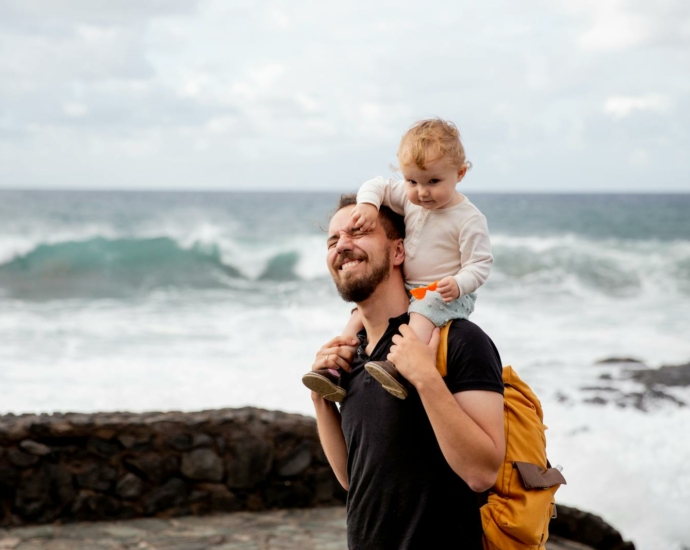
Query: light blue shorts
<point x="439" y="312"/>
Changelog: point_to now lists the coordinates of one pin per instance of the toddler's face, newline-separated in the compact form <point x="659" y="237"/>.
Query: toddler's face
<point x="433" y="187"/>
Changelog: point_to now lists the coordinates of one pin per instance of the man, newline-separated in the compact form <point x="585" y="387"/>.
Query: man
<point x="411" y="467"/>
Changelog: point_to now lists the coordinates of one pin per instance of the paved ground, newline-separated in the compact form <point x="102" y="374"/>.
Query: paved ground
<point x="313" y="529"/>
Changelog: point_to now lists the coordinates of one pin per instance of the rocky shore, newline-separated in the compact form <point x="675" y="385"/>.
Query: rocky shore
<point x="266" y="466"/>
<point x="634" y="384"/>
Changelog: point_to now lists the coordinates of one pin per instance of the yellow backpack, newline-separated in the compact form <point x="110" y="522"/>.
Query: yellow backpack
<point x="521" y="502"/>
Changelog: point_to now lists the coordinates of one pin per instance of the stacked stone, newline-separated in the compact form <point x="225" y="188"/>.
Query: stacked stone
<point x="124" y="465"/>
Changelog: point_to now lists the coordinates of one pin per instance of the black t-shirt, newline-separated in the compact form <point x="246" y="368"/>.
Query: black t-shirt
<point x="403" y="494"/>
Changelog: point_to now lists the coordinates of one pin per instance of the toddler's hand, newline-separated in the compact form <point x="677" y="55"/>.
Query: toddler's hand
<point x="365" y="216"/>
<point x="448" y="289"/>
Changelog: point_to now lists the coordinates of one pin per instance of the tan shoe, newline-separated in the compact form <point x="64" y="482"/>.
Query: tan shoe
<point x="389" y="377"/>
<point x="325" y="382"/>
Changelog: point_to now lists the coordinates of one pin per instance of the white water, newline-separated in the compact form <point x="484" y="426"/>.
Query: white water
<point x="554" y="305"/>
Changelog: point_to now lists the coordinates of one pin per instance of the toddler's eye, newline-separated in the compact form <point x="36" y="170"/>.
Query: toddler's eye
<point x="434" y="181"/>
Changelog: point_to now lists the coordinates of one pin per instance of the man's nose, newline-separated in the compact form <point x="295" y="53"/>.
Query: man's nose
<point x="344" y="243"/>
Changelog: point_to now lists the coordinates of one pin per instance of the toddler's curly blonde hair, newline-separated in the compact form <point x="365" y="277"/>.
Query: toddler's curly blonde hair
<point x="429" y="140"/>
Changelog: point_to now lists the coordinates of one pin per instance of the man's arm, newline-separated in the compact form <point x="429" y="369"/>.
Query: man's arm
<point x="335" y="354"/>
<point x="468" y="425"/>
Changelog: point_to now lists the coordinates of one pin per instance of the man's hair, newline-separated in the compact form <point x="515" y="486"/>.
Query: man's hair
<point x="393" y="224"/>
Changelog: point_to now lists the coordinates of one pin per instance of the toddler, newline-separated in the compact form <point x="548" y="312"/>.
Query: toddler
<point x="446" y="241"/>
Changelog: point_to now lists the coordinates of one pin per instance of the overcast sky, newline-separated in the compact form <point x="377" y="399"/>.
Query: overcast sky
<point x="549" y="95"/>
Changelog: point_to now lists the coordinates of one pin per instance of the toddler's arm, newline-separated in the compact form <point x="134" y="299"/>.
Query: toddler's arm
<point x="475" y="252"/>
<point x="388" y="192"/>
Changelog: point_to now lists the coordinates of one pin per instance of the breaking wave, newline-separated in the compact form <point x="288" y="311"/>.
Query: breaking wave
<point x="111" y="266"/>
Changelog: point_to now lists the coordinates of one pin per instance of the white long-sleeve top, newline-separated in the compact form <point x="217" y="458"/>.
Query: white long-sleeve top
<point x="451" y="241"/>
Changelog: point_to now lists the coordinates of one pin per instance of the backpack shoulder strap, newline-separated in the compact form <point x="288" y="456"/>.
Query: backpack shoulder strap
<point x="442" y="354"/>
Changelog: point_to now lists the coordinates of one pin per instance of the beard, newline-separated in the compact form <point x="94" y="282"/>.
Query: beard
<point x="358" y="290"/>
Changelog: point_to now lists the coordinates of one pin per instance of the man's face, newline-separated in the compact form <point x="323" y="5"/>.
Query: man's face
<point x="358" y="261"/>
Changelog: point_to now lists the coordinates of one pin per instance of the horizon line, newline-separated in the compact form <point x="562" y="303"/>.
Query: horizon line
<point x="325" y="191"/>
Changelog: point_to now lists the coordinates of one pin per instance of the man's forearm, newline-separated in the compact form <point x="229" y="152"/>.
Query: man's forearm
<point x="331" y="436"/>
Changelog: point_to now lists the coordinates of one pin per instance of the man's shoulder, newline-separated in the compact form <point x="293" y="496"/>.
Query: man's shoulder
<point x="473" y="360"/>
<point x="462" y="330"/>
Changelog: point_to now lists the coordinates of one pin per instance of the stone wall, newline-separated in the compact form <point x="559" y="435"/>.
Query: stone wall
<point x="123" y="465"/>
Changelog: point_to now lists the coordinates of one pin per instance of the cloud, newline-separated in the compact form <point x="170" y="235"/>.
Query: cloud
<point x="614" y="25"/>
<point x="236" y="94"/>
<point x="623" y="106"/>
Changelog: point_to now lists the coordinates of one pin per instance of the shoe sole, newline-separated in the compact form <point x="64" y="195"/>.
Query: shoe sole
<point x="324" y="387"/>
<point x="390" y="384"/>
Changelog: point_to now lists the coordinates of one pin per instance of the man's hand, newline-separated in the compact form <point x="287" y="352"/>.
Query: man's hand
<point x="448" y="289"/>
<point x="414" y="359"/>
<point x="365" y="216"/>
<point x="336" y="354"/>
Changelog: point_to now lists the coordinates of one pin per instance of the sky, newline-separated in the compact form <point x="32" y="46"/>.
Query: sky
<point x="549" y="95"/>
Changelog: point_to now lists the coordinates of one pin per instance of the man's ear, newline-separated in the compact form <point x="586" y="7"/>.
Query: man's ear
<point x="398" y="252"/>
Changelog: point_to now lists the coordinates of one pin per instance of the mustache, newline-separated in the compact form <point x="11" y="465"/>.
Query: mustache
<point x="347" y="256"/>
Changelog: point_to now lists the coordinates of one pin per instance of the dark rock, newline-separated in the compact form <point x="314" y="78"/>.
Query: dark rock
<point x="180" y="442"/>
<point x="202" y="465"/>
<point x="202" y="440"/>
<point x="617" y="360"/>
<point x="21" y="459"/>
<point x="255" y="502"/>
<point x="129" y="510"/>
<point x="34" y="448"/>
<point x="219" y="498"/>
<point x="102" y="448"/>
<point x="62" y="485"/>
<point x="586" y="528"/>
<point x="297" y="461"/>
<point x="173" y="493"/>
<point x="153" y="466"/>
<point x="562" y="397"/>
<point x="288" y="494"/>
<point x="249" y="464"/>
<point x="221" y="445"/>
<point x="129" y="487"/>
<point x="678" y="375"/>
<point x="596" y="400"/>
<point x="98" y="477"/>
<point x="8" y="477"/>
<point x="43" y="492"/>
<point x="93" y="506"/>
<point x="39" y="428"/>
<point x="34" y="484"/>
<point x="129" y="441"/>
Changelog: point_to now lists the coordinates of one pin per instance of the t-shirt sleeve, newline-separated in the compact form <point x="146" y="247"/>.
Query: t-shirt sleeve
<point x="473" y="360"/>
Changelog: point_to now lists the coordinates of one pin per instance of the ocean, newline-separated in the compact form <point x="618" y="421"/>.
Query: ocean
<point x="158" y="301"/>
